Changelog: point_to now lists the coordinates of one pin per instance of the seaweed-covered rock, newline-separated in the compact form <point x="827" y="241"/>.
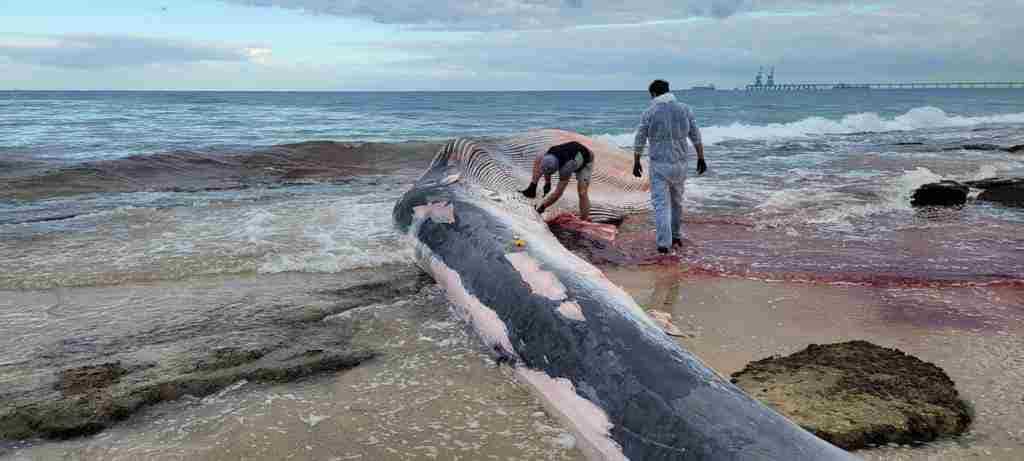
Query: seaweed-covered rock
<point x="857" y="394"/>
<point x="81" y="385"/>
<point x="89" y="406"/>
<point x="942" y="193"/>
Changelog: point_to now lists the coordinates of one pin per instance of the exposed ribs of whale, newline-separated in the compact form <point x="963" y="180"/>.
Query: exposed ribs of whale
<point x="503" y="166"/>
<point x="625" y="388"/>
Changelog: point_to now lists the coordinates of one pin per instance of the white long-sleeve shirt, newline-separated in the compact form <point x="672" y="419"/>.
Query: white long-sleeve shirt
<point x="666" y="124"/>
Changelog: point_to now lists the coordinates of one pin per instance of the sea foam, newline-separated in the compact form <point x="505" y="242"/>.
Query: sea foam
<point x="329" y="236"/>
<point x="927" y="117"/>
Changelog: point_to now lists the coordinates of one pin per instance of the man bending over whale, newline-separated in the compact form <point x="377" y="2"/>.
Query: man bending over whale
<point x="567" y="159"/>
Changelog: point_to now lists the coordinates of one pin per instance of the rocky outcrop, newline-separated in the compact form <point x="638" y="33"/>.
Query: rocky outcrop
<point x="988" y="147"/>
<point x="1005" y="191"/>
<point x="995" y="182"/>
<point x="857" y="394"/>
<point x="1010" y="195"/>
<point x="82" y="385"/>
<point x="981" y="147"/>
<point x="942" y="193"/>
<point x="94" y="397"/>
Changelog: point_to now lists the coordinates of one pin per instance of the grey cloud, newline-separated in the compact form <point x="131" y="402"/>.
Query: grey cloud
<point x="527" y="14"/>
<point x="99" y="51"/>
<point x="618" y="45"/>
<point x="906" y="40"/>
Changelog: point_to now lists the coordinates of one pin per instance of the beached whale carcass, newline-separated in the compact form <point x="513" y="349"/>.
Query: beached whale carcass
<point x="625" y="388"/>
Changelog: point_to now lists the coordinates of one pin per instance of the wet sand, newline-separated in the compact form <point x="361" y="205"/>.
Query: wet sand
<point x="434" y="394"/>
<point x="431" y="393"/>
<point x="973" y="333"/>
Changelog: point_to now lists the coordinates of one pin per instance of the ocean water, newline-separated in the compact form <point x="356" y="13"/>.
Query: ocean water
<point x="153" y="194"/>
<point x="819" y="166"/>
<point x="97" y="125"/>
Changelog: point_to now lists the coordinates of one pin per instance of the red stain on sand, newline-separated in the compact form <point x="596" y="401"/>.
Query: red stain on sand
<point x="737" y="247"/>
<point x="904" y="286"/>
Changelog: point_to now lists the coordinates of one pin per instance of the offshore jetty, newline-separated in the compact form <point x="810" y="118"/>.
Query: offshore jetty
<point x="766" y="82"/>
<point x="600" y="363"/>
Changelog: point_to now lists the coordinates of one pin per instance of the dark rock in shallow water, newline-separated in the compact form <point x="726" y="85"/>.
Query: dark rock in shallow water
<point x="857" y="394"/>
<point x="98" y="403"/>
<point x="1005" y="191"/>
<point x="990" y="183"/>
<point x="987" y="147"/>
<point x="942" y="193"/>
<point x="982" y="147"/>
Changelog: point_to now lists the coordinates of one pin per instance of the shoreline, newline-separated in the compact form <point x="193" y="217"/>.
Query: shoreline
<point x="729" y="322"/>
<point x="725" y="321"/>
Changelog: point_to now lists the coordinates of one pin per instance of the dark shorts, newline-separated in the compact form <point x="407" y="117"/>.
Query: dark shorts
<point x="573" y="166"/>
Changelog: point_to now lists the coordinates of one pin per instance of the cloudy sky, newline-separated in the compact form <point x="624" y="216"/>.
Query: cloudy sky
<point x="499" y="44"/>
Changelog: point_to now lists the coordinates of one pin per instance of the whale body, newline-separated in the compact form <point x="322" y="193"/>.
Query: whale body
<point x="624" y="387"/>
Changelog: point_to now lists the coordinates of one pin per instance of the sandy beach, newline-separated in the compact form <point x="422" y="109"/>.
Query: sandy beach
<point x="975" y="338"/>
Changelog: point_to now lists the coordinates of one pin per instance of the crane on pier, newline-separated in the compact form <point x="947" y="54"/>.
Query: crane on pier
<point x="766" y="82"/>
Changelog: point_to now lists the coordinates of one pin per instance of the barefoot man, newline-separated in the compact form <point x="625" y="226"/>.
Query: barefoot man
<point x="567" y="159"/>
<point x="667" y="123"/>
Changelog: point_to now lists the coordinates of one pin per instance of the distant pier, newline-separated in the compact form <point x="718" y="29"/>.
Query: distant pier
<point x="880" y="86"/>
<point x="766" y="82"/>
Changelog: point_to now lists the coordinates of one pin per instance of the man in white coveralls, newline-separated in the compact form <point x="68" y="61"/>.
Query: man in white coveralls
<point x="667" y="123"/>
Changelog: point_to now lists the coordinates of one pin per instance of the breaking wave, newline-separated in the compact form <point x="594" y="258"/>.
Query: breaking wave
<point x="915" y="119"/>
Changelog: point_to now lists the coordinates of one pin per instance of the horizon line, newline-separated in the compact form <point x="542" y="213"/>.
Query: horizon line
<point x="643" y="89"/>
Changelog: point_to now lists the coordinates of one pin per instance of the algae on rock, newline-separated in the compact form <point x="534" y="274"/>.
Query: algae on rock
<point x="857" y="394"/>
